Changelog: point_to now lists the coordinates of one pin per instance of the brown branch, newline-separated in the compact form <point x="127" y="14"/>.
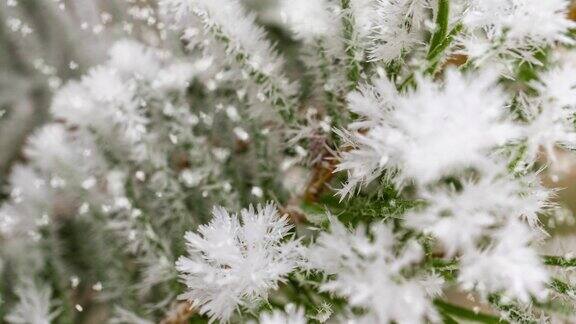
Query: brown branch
<point x="180" y="313"/>
<point x="572" y="11"/>
<point x="322" y="173"/>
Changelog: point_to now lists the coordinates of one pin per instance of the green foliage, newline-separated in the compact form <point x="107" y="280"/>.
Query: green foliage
<point x="380" y="203"/>
<point x="451" y="312"/>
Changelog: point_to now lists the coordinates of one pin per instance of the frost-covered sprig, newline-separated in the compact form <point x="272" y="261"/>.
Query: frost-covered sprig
<point x="469" y="197"/>
<point x="35" y="305"/>
<point x="319" y="26"/>
<point x="115" y="143"/>
<point x="551" y="113"/>
<point x="513" y="28"/>
<point x="398" y="26"/>
<point x="310" y="20"/>
<point x="508" y="266"/>
<point x="365" y="268"/>
<point x="113" y="99"/>
<point x="415" y="132"/>
<point x="235" y="261"/>
<point x="49" y="184"/>
<point x="122" y="316"/>
<point x="463" y="214"/>
<point x="142" y="103"/>
<point x="292" y="315"/>
<point x="38" y="198"/>
<point x="26" y="186"/>
<point x="227" y="22"/>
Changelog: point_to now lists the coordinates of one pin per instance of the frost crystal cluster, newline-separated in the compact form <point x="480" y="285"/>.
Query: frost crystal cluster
<point x="296" y="161"/>
<point x="237" y="261"/>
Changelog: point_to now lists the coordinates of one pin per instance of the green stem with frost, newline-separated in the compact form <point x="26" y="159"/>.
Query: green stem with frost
<point x="512" y="311"/>
<point x="354" y="68"/>
<point x="334" y="107"/>
<point x="274" y="94"/>
<point x="464" y="313"/>
<point x="558" y="261"/>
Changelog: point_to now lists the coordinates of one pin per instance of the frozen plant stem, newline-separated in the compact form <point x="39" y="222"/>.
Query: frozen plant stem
<point x="441" y="28"/>
<point x="353" y="64"/>
<point x="559" y="261"/>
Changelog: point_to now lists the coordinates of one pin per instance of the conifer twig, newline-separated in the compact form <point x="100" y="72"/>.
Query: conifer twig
<point x="180" y="313"/>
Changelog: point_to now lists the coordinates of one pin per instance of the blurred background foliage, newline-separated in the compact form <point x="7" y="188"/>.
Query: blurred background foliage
<point x="44" y="43"/>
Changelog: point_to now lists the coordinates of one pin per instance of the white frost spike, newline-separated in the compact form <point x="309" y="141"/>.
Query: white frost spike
<point x="372" y="103"/>
<point x="397" y="27"/>
<point x="459" y="218"/>
<point x="56" y="153"/>
<point x="242" y="34"/>
<point x="423" y="128"/>
<point x="133" y="58"/>
<point x="29" y="188"/>
<point x="105" y="85"/>
<point x="551" y="114"/>
<point x="431" y="132"/>
<point x="31" y="198"/>
<point x="48" y="146"/>
<point x="124" y="316"/>
<point x="367" y="272"/>
<point x="292" y="315"/>
<point x="515" y="26"/>
<point x="112" y="99"/>
<point x="557" y="85"/>
<point x="525" y="22"/>
<point x="509" y="266"/>
<point x="34" y="306"/>
<point x="309" y="19"/>
<point x="235" y="260"/>
<point x="363" y="13"/>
